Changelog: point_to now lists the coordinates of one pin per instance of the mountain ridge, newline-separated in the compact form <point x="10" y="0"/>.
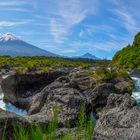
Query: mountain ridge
<point x="13" y="46"/>
<point x="89" y="56"/>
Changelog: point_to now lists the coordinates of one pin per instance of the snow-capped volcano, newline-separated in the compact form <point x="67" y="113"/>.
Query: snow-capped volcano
<point x="8" y="37"/>
<point x="13" y="46"/>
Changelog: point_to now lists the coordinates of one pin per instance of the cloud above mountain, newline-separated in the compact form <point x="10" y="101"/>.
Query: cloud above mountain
<point x="72" y="27"/>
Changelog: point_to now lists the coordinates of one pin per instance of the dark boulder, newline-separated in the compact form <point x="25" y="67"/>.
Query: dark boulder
<point x="98" y="95"/>
<point x="135" y="73"/>
<point x="84" y="81"/>
<point x="62" y="94"/>
<point x="20" y="88"/>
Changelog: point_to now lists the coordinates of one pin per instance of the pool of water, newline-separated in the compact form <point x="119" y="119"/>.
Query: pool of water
<point x="8" y="106"/>
<point x="11" y="108"/>
<point x="136" y="90"/>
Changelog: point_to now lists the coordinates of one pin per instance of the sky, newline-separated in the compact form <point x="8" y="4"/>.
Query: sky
<point x="72" y="27"/>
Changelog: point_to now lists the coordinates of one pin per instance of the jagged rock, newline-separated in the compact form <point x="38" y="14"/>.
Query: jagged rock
<point x="84" y="81"/>
<point x="119" y="120"/>
<point x="63" y="94"/>
<point x="98" y="95"/>
<point x="124" y="84"/>
<point x="20" y="88"/>
<point x="135" y="73"/>
<point x="8" y="121"/>
<point x="45" y="97"/>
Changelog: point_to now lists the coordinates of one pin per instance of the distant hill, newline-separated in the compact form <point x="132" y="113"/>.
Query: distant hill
<point x="13" y="46"/>
<point x="89" y="56"/>
<point x="129" y="57"/>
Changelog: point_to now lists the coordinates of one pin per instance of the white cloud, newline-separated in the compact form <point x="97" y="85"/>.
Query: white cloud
<point x="15" y="9"/>
<point x="11" y="23"/>
<point x="69" y="51"/>
<point x="12" y="3"/>
<point x="70" y="14"/>
<point x="106" y="46"/>
<point x="127" y="20"/>
<point x="115" y="1"/>
<point x="82" y="33"/>
<point x="102" y="28"/>
<point x="58" y="31"/>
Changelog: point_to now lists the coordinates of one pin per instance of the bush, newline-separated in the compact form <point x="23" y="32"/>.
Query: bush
<point x="129" y="57"/>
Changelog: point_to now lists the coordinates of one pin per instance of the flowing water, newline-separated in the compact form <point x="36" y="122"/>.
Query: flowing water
<point x="8" y="106"/>
<point x="136" y="90"/>
<point x="11" y="108"/>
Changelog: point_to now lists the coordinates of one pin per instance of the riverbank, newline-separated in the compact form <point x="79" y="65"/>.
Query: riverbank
<point x="136" y="90"/>
<point x="69" y="91"/>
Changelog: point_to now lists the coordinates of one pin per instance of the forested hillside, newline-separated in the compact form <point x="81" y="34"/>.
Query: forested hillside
<point x="129" y="57"/>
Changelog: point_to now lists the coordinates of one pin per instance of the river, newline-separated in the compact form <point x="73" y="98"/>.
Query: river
<point x="136" y="90"/>
<point x="11" y="108"/>
<point x="8" y="106"/>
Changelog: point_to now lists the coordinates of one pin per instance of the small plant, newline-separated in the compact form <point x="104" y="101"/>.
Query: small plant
<point x="52" y="126"/>
<point x="20" y="132"/>
<point x="36" y="133"/>
<point x="4" y="129"/>
<point x="83" y="129"/>
<point x="85" y="126"/>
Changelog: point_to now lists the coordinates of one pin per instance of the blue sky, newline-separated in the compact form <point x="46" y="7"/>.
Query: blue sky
<point x="72" y="27"/>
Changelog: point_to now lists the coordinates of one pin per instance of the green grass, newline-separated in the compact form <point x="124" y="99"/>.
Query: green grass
<point x="106" y="74"/>
<point x="83" y="130"/>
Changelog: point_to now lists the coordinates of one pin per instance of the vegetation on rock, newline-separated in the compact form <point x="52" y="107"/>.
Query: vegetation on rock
<point x="45" y="64"/>
<point x="82" y="131"/>
<point x="129" y="57"/>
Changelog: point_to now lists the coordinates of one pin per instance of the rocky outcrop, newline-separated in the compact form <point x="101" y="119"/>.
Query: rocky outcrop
<point x="84" y="81"/>
<point x="51" y="95"/>
<point x="135" y="73"/>
<point x="19" y="89"/>
<point x="98" y="95"/>
<point x="124" y="84"/>
<point x="8" y="121"/>
<point x="66" y="92"/>
<point x="62" y="94"/>
<point x="119" y="120"/>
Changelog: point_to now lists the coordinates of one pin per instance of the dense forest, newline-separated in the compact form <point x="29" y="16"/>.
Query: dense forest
<point x="129" y="57"/>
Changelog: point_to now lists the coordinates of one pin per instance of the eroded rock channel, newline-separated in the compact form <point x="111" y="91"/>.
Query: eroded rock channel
<point x="108" y="98"/>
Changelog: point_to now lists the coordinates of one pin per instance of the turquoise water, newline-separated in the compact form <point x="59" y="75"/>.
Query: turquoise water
<point x="8" y="106"/>
<point x="136" y="90"/>
<point x="11" y="108"/>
